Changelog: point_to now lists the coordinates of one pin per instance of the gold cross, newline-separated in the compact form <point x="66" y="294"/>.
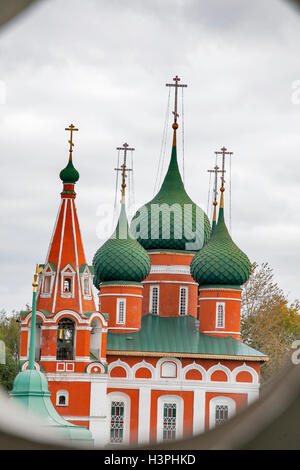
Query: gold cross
<point x="176" y="85"/>
<point x="71" y="128"/>
<point x="123" y="168"/>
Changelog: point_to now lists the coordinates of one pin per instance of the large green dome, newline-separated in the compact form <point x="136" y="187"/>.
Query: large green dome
<point x="121" y="258"/>
<point x="184" y="226"/>
<point x="220" y="261"/>
<point x="69" y="174"/>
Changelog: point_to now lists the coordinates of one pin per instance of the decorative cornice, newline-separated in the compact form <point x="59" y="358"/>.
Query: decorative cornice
<point x="190" y="355"/>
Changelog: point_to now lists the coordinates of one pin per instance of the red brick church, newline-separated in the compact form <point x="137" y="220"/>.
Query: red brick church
<point x="160" y="355"/>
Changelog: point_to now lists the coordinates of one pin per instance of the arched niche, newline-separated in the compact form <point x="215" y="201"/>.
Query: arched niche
<point x="95" y="339"/>
<point x="65" y="339"/>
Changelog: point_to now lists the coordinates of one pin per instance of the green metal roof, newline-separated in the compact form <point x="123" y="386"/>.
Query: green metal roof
<point x="188" y="222"/>
<point x="178" y="335"/>
<point x="220" y="261"/>
<point x="121" y="258"/>
<point x="69" y="174"/>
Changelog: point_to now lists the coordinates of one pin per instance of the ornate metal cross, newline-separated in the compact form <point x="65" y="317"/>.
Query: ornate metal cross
<point x="71" y="128"/>
<point x="223" y="152"/>
<point x="176" y="85"/>
<point x="123" y="168"/>
<point x="216" y="170"/>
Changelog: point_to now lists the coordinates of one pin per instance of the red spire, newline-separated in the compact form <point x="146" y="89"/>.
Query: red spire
<point x="66" y="283"/>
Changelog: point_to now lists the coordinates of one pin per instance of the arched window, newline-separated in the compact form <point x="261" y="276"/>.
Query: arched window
<point x="220" y="410"/>
<point x="117" y="422"/>
<point x="62" y="398"/>
<point x="65" y="339"/>
<point x="95" y="339"/>
<point x="169" y="369"/>
<point x="169" y="417"/>
<point x="67" y="284"/>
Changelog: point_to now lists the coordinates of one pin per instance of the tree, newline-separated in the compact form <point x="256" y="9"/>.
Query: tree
<point x="10" y="335"/>
<point x="268" y="322"/>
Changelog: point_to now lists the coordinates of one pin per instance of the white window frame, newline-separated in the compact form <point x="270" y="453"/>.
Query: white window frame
<point x="162" y="400"/>
<point x="86" y="276"/>
<point x="165" y="373"/>
<point x="151" y="300"/>
<point x="186" y="290"/>
<point x="223" y="401"/>
<point x="120" y="300"/>
<point x="220" y="304"/>
<point x="122" y="397"/>
<point x="46" y="274"/>
<point x="69" y="274"/>
<point x="63" y="393"/>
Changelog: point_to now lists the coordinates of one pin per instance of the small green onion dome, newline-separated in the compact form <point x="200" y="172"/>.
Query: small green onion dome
<point x="171" y="220"/>
<point x="220" y="261"/>
<point x="69" y="174"/>
<point x="121" y="258"/>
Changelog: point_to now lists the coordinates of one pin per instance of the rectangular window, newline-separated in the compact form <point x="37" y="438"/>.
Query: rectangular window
<point x="221" y="414"/>
<point x="117" y="422"/>
<point x="154" y="300"/>
<point x="86" y="285"/>
<point x="121" y="310"/>
<point x="47" y="284"/>
<point x="220" y="315"/>
<point x="183" y="298"/>
<point x="169" y="421"/>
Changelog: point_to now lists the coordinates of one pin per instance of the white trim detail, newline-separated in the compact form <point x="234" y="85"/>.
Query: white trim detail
<point x="143" y="365"/>
<point x="121" y="397"/>
<point x="121" y="311"/>
<point x="152" y="288"/>
<point x="221" y="367"/>
<point x="219" y="298"/>
<point x="123" y="295"/>
<point x="220" y="314"/>
<point x="171" y="398"/>
<point x="197" y="367"/>
<point x="220" y="400"/>
<point x="184" y="298"/>
<point x="76" y="255"/>
<point x="223" y="332"/>
<point x="62" y="393"/>
<point x="245" y="368"/>
<point x="119" y="363"/>
<point x="169" y="282"/>
<point x="170" y="269"/>
<point x="59" y="255"/>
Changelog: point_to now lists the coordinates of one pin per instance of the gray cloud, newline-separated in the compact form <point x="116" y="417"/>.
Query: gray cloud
<point x="104" y="65"/>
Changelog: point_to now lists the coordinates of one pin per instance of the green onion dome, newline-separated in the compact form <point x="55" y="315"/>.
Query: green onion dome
<point x="69" y="174"/>
<point x="220" y="261"/>
<point x="171" y="220"/>
<point x="121" y="258"/>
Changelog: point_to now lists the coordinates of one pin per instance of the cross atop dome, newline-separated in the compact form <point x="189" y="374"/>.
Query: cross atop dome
<point x="71" y="128"/>
<point x="176" y="85"/>
<point x="125" y="148"/>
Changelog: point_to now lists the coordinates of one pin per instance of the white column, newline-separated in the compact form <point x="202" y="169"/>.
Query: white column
<point x="98" y="410"/>
<point x="199" y="412"/>
<point x="253" y="395"/>
<point x="144" y="414"/>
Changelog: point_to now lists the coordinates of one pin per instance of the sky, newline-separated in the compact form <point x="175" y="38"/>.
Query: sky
<point x="103" y="66"/>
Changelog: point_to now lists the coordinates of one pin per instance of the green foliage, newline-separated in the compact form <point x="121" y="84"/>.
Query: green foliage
<point x="268" y="322"/>
<point x="10" y="334"/>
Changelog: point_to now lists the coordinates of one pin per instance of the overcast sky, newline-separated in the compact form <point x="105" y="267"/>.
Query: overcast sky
<point x="103" y="66"/>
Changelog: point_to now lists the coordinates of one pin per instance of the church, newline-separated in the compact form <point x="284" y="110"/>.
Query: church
<point x="160" y="355"/>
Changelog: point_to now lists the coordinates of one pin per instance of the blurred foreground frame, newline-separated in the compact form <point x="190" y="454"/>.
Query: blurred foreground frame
<point x="270" y="423"/>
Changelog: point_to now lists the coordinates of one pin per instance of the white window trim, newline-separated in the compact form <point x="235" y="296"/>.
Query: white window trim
<point x="71" y="275"/>
<point x="119" y="301"/>
<point x="186" y="289"/>
<point x="151" y="299"/>
<point x="119" y="396"/>
<point x="45" y="274"/>
<point x="160" y="415"/>
<point x="168" y="376"/>
<point x="86" y="275"/>
<point x="220" y="400"/>
<point x="217" y="306"/>
<point x="64" y="393"/>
